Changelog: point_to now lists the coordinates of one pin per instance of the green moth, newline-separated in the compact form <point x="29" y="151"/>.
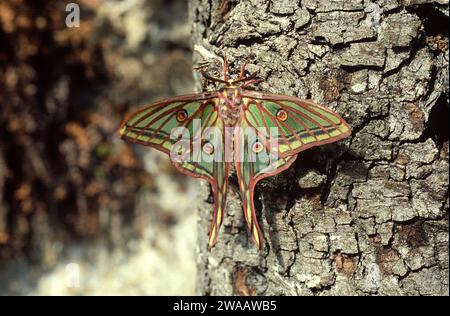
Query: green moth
<point x="257" y="133"/>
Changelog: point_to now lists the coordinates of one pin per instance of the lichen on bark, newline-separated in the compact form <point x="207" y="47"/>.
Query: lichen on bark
<point x="366" y="216"/>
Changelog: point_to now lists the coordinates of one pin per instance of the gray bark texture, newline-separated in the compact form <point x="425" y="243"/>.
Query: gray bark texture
<point x="367" y="215"/>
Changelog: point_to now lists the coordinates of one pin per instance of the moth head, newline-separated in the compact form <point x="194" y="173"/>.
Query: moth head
<point x="240" y="82"/>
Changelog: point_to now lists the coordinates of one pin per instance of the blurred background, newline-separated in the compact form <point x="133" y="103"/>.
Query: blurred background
<point x="82" y="212"/>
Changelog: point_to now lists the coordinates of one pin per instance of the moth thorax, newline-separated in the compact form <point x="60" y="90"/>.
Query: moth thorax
<point x="230" y="106"/>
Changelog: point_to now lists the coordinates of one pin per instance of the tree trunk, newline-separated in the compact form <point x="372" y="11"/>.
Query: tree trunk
<point x="365" y="216"/>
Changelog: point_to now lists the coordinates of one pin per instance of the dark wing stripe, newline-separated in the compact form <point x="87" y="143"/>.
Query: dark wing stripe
<point x="158" y="108"/>
<point x="159" y="117"/>
<point x="159" y="105"/>
<point x="148" y="132"/>
<point x="202" y="106"/>
<point x="169" y="117"/>
<point x="293" y="133"/>
<point x="273" y="121"/>
<point x="312" y="110"/>
<point x="258" y="131"/>
<point x="197" y="166"/>
<point x="194" y="133"/>
<point x="150" y="113"/>
<point x="304" y="126"/>
<point x="303" y="115"/>
<point x="202" y="133"/>
<point x="305" y="104"/>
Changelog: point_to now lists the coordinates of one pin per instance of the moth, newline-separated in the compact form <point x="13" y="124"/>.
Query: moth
<point x="255" y="133"/>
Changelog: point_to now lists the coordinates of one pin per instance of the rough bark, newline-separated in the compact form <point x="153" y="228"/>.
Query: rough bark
<point x="366" y="216"/>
